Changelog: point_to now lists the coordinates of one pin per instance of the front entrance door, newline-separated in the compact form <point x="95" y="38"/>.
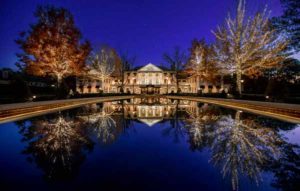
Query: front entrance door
<point x="150" y="89"/>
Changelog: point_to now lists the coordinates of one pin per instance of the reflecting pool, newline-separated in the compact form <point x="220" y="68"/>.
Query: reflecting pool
<point x="150" y="144"/>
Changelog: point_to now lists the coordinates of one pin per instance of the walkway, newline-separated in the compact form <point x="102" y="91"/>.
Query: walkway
<point x="282" y="111"/>
<point x="17" y="111"/>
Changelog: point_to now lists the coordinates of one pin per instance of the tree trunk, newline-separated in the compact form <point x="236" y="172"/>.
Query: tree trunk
<point x="58" y="81"/>
<point x="122" y="82"/>
<point x="59" y="90"/>
<point x="238" y="79"/>
<point x="177" y="81"/>
<point x="198" y="85"/>
<point x="222" y="82"/>
<point x="102" y="83"/>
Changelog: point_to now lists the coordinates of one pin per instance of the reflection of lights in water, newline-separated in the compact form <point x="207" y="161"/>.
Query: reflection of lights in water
<point x="57" y="135"/>
<point x="102" y="124"/>
<point x="196" y="132"/>
<point x="148" y="114"/>
<point x="239" y="146"/>
<point x="242" y="146"/>
<point x="56" y="145"/>
<point x="199" y="124"/>
<point x="150" y="111"/>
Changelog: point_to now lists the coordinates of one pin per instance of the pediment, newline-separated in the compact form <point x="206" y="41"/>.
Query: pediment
<point x="150" y="122"/>
<point x="150" y="68"/>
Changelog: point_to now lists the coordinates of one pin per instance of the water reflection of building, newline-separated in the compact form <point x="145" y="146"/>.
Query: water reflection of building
<point x="151" y="79"/>
<point x="155" y="109"/>
<point x="149" y="112"/>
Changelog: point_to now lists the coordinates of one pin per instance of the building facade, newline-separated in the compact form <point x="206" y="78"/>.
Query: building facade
<point x="91" y="86"/>
<point x="150" y="79"/>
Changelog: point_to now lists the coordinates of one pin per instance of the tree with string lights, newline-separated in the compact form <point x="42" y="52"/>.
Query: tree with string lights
<point x="52" y="46"/>
<point x="103" y="63"/>
<point x="201" y="60"/>
<point x="248" y="46"/>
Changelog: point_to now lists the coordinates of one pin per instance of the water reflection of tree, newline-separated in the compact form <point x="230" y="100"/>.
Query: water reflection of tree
<point x="102" y="121"/>
<point x="242" y="147"/>
<point x="103" y="125"/>
<point x="200" y="126"/>
<point x="57" y="144"/>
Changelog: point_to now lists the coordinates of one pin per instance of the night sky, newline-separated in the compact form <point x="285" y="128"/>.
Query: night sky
<point x="145" y="29"/>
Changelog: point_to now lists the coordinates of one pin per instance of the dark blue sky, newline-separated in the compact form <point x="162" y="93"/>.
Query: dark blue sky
<point x="143" y="28"/>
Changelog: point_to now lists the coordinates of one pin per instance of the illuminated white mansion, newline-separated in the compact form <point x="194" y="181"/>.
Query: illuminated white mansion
<point x="149" y="79"/>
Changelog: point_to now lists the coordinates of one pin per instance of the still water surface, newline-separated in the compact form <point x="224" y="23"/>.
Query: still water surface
<point x="150" y="144"/>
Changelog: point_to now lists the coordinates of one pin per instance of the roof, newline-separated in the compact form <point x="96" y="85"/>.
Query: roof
<point x="150" y="65"/>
